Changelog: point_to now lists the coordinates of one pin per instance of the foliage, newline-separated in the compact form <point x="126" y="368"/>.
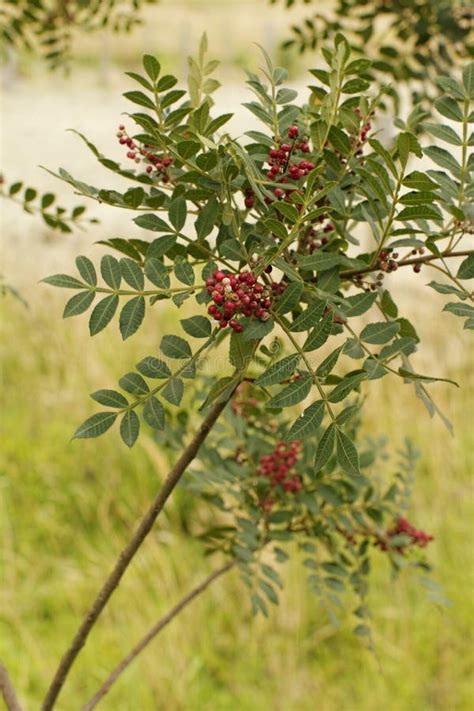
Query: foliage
<point x="48" y="27"/>
<point x="409" y="42"/>
<point x="55" y="217"/>
<point x="317" y="234"/>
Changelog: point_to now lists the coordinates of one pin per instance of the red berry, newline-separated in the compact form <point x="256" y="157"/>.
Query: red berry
<point x="293" y="132"/>
<point x="278" y="192"/>
<point x="249" y="201"/>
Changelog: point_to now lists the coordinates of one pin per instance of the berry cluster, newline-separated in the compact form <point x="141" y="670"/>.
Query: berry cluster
<point x="362" y="137"/>
<point x="404" y="527"/>
<point x="386" y="262"/>
<point x="286" y="164"/>
<point x="279" y="466"/>
<point x="144" y="153"/>
<point x="239" y="294"/>
<point x="417" y="267"/>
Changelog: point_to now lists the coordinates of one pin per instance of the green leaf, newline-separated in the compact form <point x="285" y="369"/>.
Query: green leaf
<point x="459" y="309"/>
<point x="63" y="281"/>
<point x="207" y="218"/>
<point x="103" y="313"/>
<point x="445" y="133"/>
<point x="129" y="428"/>
<point x="132" y="273"/>
<point x="157" y="273"/>
<point x="380" y="332"/>
<point x="256" y="329"/>
<point x="197" y="326"/>
<point x="167" y="82"/>
<point x="134" y="197"/>
<point x="407" y="143"/>
<point x="385" y="155"/>
<point x="444" y="159"/>
<point x="276" y="227"/>
<point x="466" y="270"/>
<point x="468" y="79"/>
<point x="360" y="303"/>
<point x="320" y="261"/>
<point x="388" y="305"/>
<point x="78" y="303"/>
<point x="109" y="398"/>
<point x="86" y="270"/>
<point x="161" y="246"/>
<point x="152" y="223"/>
<point x="173" y="391"/>
<point x="346" y="386"/>
<point x="417" y="197"/>
<point x="184" y="272"/>
<point x="346" y="414"/>
<point x="328" y="363"/>
<point x="288" y="269"/>
<point x="131" y="316"/>
<point x="154" y="413"/>
<point x="449" y="108"/>
<point x="419" y="181"/>
<point x="290" y="298"/>
<point x="96" y="425"/>
<point x="325" y="447"/>
<point x="419" y="212"/>
<point x="152" y="367"/>
<point x="110" y="270"/>
<point x="281" y="370"/>
<point x="355" y="86"/>
<point x="241" y="351"/>
<point x="308" y="422"/>
<point x="289" y="211"/>
<point x="138" y="97"/>
<point x="177" y="213"/>
<point x="175" y="347"/>
<point x="339" y="140"/>
<point x="293" y="393"/>
<point x="310" y="317"/>
<point x="188" y="149"/>
<point x="141" y="80"/>
<point x="347" y="456"/>
<point x="133" y="383"/>
<point x="409" y="375"/>
<point x="152" y="67"/>
<point x="320" y="334"/>
<point x="447" y="289"/>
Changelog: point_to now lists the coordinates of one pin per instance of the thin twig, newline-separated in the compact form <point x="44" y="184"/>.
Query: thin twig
<point x="152" y="633"/>
<point x="8" y="691"/>
<point x="407" y="262"/>
<point x="129" y="552"/>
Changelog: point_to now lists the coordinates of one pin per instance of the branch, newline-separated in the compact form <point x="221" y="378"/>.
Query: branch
<point x="8" y="691"/>
<point x="129" y="552"/>
<point x="152" y="633"/>
<point x="407" y="262"/>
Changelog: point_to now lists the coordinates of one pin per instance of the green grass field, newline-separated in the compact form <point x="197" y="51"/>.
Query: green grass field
<point x="68" y="507"/>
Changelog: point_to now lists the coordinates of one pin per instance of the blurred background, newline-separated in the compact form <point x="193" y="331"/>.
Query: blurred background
<point x="66" y="508"/>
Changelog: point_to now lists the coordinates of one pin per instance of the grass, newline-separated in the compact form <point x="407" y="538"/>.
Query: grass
<point x="67" y="508"/>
